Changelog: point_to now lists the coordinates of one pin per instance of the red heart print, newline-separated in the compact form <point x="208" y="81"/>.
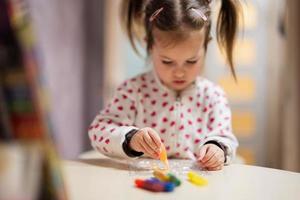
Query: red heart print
<point x="165" y="119"/>
<point x="153" y="102"/>
<point x="153" y="125"/>
<point x="153" y="113"/>
<point x="164" y="104"/>
<point x="120" y="108"/>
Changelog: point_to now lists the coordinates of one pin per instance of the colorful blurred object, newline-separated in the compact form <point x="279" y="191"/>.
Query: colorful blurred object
<point x="155" y="185"/>
<point x="24" y="116"/>
<point x="166" y="177"/>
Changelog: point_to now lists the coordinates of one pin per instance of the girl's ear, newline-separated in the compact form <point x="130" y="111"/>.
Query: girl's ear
<point x="209" y="38"/>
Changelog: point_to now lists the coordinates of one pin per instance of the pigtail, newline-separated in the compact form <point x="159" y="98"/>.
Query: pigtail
<point x="227" y="26"/>
<point x="131" y="18"/>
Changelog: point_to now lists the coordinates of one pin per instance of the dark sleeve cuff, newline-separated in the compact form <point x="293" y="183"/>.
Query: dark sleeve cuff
<point x="221" y="146"/>
<point x="126" y="148"/>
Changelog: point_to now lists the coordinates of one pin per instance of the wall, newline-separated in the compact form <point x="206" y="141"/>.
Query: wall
<point x="58" y="26"/>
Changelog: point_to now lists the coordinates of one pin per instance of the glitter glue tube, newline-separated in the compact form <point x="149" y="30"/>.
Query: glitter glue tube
<point x="168" y="186"/>
<point x="174" y="179"/>
<point x="163" y="157"/>
<point x="160" y="175"/>
<point x="154" y="185"/>
<point x="166" y="177"/>
<point x="196" y="179"/>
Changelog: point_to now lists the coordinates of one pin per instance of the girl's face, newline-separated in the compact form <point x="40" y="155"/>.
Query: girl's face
<point x="178" y="63"/>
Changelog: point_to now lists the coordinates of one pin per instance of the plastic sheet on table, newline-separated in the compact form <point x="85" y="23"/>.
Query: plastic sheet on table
<point x="179" y="167"/>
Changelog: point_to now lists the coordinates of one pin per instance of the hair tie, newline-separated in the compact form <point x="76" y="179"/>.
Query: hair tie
<point x="155" y="14"/>
<point x="201" y="12"/>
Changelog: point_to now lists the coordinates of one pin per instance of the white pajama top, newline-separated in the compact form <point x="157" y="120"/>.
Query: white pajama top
<point x="184" y="121"/>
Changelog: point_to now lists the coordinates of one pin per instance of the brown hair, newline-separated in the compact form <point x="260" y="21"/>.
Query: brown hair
<point x="180" y="16"/>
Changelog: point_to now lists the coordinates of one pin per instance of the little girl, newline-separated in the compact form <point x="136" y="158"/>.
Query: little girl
<point x="171" y="104"/>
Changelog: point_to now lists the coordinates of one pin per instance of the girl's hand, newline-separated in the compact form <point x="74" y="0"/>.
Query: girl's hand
<point x="211" y="157"/>
<point x="146" y="140"/>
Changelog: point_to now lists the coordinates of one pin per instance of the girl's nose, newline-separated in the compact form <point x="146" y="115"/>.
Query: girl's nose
<point x="179" y="73"/>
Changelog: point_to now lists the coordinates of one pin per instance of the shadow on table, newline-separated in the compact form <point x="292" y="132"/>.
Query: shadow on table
<point x="111" y="163"/>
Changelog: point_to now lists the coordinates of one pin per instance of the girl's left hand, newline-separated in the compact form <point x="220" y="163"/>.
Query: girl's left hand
<point x="211" y="157"/>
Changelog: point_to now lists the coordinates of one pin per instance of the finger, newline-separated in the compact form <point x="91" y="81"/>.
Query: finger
<point x="150" y="143"/>
<point x="155" y="140"/>
<point x="221" y="157"/>
<point x="140" y="148"/>
<point x="218" y="156"/>
<point x="211" y="160"/>
<point x="208" y="155"/>
<point x="134" y="142"/>
<point x="148" y="149"/>
<point x="155" y="137"/>
<point x="215" y="168"/>
<point x="202" y="167"/>
<point x="216" y="163"/>
<point x="202" y="153"/>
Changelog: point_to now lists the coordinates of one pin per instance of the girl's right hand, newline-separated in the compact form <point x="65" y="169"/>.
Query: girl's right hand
<point x="146" y="140"/>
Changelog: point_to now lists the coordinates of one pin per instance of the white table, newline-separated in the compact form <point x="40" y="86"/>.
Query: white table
<point x="97" y="177"/>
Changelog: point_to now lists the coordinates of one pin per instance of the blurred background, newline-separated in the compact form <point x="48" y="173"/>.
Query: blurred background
<point x="86" y="55"/>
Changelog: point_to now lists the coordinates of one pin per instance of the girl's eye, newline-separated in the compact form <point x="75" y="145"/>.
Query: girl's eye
<point x="167" y="62"/>
<point x="192" y="61"/>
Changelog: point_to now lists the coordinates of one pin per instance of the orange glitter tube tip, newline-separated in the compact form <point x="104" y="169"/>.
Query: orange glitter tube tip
<point x="163" y="156"/>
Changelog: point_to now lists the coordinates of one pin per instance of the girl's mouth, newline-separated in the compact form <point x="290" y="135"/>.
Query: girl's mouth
<point x="179" y="82"/>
